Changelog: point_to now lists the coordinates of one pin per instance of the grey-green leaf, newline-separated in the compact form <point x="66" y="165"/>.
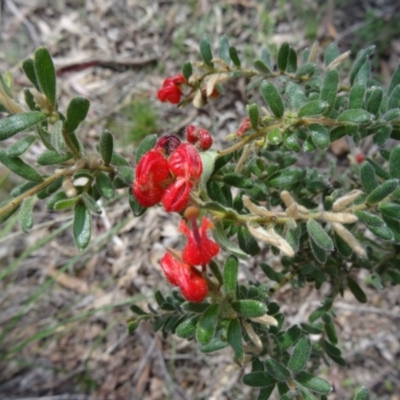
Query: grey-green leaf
<point x="300" y="355"/>
<point x="283" y="55"/>
<point x="313" y="107"/>
<point x="314" y="383"/>
<point x="277" y="370"/>
<point x="224" y="49"/>
<point x="319" y="236"/>
<point x="382" y="191"/>
<point x="394" y="163"/>
<point x="234" y="338"/>
<point x="356" y="116"/>
<point x="207" y="324"/>
<point x="250" y="308"/>
<point x="272" y="98"/>
<point x="52" y="158"/>
<point x="46" y="74"/>
<point x="254" y="114"/>
<point x="319" y="136"/>
<point x="25" y="215"/>
<point x="356" y="290"/>
<point x="362" y="393"/>
<point x="230" y="274"/>
<point x="329" y="88"/>
<point x="104" y="185"/>
<point x="247" y="242"/>
<point x="106" y="146"/>
<point x="368" y="177"/>
<point x="29" y="68"/>
<point x="258" y="379"/>
<point x="17" y="123"/>
<point x="18" y="148"/>
<point x="76" y="113"/>
<point x="82" y="226"/>
<point x="205" y="51"/>
<point x="17" y="166"/>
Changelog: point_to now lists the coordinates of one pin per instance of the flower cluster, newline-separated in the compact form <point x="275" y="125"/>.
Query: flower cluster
<point x="172" y="89"/>
<point x="180" y="270"/>
<point x="167" y="174"/>
<point x="200" y="136"/>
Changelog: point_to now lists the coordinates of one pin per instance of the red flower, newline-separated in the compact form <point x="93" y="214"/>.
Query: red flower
<point x="359" y="158"/>
<point x="244" y="126"/>
<point x="171" y="89"/>
<point x="199" y="249"/>
<point x="192" y="284"/>
<point x="151" y="172"/>
<point x="167" y="179"/>
<point x="185" y="162"/>
<point x="201" y="136"/>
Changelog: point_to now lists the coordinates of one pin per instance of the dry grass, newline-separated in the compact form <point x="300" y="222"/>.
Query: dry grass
<point x="62" y="312"/>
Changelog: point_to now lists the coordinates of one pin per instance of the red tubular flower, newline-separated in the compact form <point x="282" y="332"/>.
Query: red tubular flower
<point x="244" y="126"/>
<point x="199" y="249"/>
<point x="176" y="196"/>
<point x="171" y="89"/>
<point x="151" y="171"/>
<point x="192" y="284"/>
<point x="192" y="134"/>
<point x="185" y="162"/>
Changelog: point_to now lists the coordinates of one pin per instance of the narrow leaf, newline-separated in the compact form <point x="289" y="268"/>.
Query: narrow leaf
<point x="76" y="113"/>
<point x="234" y="337"/>
<point x="300" y="355"/>
<point x="17" y="166"/>
<point x="314" y="383"/>
<point x="272" y="98"/>
<point x="25" y="216"/>
<point x="19" y="122"/>
<point x="313" y="107"/>
<point x="207" y="324"/>
<point x="250" y="308"/>
<point x="277" y="370"/>
<point x="106" y="146"/>
<point x="356" y="290"/>
<point x="283" y="55"/>
<point x="205" y="51"/>
<point x="18" y="148"/>
<point x="82" y="226"/>
<point x="46" y="74"/>
<point x="319" y="236"/>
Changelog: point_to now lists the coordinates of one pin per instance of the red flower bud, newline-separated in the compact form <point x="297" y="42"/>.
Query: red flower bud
<point x="359" y="158"/>
<point x="176" y="196"/>
<point x="192" y="134"/>
<point x="199" y="249"/>
<point x="244" y="126"/>
<point x="185" y="162"/>
<point x="192" y="284"/>
<point x="168" y="143"/>
<point x="171" y="90"/>
<point x="206" y="140"/>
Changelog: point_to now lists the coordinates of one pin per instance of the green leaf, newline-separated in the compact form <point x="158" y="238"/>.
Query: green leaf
<point x="104" y="185"/>
<point x="76" y="113"/>
<point x="17" y="166"/>
<point x="300" y="355"/>
<point x="30" y="100"/>
<point x="91" y="203"/>
<point x="290" y="337"/>
<point x="53" y="187"/>
<point x="266" y="57"/>
<point x="329" y="88"/>
<point x="118" y="160"/>
<point x="277" y="370"/>
<point x="394" y="98"/>
<point x="136" y="208"/>
<point x="133" y="325"/>
<point x="313" y="107"/>
<point x="187" y="328"/>
<point x="362" y="57"/>
<point x="286" y="179"/>
<point x="331" y="332"/>
<point x="145" y="145"/>
<point x="220" y="236"/>
<point x="46" y="74"/>
<point x="390" y="115"/>
<point x="254" y="114"/>
<point x="295" y="94"/>
<point x="356" y="96"/>
<point x="231" y="269"/>
<point x="234" y="338"/>
<point x="274" y="136"/>
<point x="106" y="146"/>
<point x="194" y="307"/>
<point x="29" y="68"/>
<point x="271" y="273"/>
<point x="382" y="135"/>
<point x="331" y="53"/>
<point x="187" y="70"/>
<point x="362" y="393"/>
<point x="250" y="308"/>
<point x="370" y="220"/>
<point x="293" y="235"/>
<point x="19" y="122"/>
<point x="82" y="226"/>
<point x="258" y="379"/>
<point x="216" y="271"/>
<point x="52" y="157"/>
<point x="382" y="232"/>
<point x="25" y="216"/>
<point x="18" y="148"/>
<point x="314" y="383"/>
<point x="356" y="290"/>
<point x="292" y="61"/>
<point x="319" y="236"/>
<point x="238" y="180"/>
<point x="319" y="254"/>
<point x="207" y="324"/>
<point x="205" y="51"/>
<point x="375" y="100"/>
<point x="319" y="136"/>
<point x="382" y="191"/>
<point x="66" y="202"/>
<point x="395" y="80"/>
<point x="50" y="203"/>
<point x="291" y="142"/>
<point x="368" y="178"/>
<point x="272" y="98"/>
<point x="261" y="67"/>
<point x="391" y="210"/>
<point x="308" y="68"/>
<point x="394" y="226"/>
<point x="394" y="163"/>
<point x="283" y="55"/>
<point x="234" y="56"/>
<point x="247" y="242"/>
<point x="224" y="49"/>
<point x="355" y="116"/>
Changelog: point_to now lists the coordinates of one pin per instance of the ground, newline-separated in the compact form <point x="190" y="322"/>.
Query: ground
<point x="63" y="312"/>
